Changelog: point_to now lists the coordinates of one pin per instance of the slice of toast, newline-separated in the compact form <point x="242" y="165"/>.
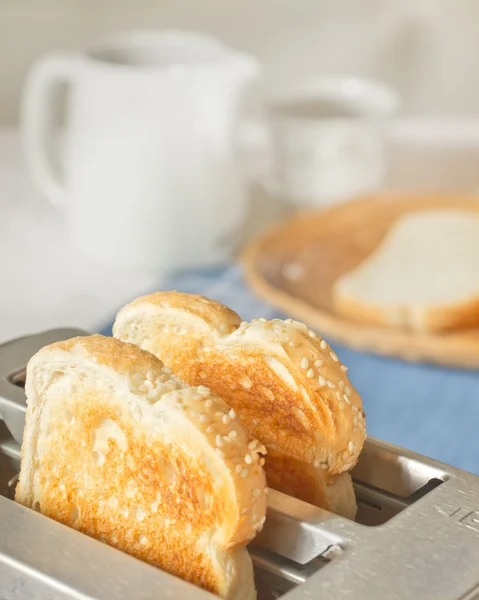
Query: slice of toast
<point x="424" y="276"/>
<point x="287" y="386"/>
<point x="118" y="448"/>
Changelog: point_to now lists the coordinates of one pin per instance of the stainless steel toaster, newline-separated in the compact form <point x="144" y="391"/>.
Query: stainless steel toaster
<point x="416" y="535"/>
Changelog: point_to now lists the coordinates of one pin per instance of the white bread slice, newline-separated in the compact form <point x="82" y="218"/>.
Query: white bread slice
<point x="424" y="276"/>
<point x="285" y="383"/>
<point x="118" y="448"/>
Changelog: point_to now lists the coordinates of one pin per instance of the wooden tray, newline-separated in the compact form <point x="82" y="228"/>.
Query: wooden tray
<point x="293" y="267"/>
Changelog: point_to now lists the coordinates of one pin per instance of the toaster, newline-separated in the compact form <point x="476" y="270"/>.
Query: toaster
<point x="415" y="536"/>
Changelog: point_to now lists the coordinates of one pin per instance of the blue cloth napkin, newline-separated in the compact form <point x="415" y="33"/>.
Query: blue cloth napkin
<point x="427" y="409"/>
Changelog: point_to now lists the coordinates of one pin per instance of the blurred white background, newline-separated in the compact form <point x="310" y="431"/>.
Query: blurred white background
<point x="428" y="49"/>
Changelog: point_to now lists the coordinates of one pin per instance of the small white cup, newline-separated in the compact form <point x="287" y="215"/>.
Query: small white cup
<point x="327" y="139"/>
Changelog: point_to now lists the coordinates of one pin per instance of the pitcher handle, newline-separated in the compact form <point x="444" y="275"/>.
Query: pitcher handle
<point x="37" y="118"/>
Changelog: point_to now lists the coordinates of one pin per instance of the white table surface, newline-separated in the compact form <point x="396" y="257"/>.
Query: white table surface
<point x="44" y="283"/>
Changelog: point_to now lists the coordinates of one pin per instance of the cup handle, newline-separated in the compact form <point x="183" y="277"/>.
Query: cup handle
<point x="37" y="119"/>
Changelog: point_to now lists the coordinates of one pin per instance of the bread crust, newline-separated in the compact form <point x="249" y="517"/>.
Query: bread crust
<point x="286" y="384"/>
<point x="117" y="447"/>
<point x="440" y="319"/>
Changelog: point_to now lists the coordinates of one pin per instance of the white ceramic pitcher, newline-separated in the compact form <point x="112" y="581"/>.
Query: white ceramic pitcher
<point x="148" y="176"/>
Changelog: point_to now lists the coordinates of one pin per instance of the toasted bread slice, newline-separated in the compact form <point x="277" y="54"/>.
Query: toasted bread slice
<point x="118" y="448"/>
<point x="284" y="382"/>
<point x="424" y="276"/>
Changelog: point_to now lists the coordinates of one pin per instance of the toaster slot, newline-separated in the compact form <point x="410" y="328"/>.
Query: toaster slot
<point x="376" y="506"/>
<point x="9" y="463"/>
<point x="394" y="470"/>
<point x="388" y="479"/>
<point x="18" y="378"/>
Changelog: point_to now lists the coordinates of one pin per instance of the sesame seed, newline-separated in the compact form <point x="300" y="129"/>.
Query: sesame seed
<point x="289" y="321"/>
<point x="323" y="345"/>
<point x="139" y="513"/>
<point x="209" y="429"/>
<point x="232" y="414"/>
<point x="203" y="390"/>
<point x="321" y="380"/>
<point x="248" y="459"/>
<point x="227" y="439"/>
<point x="310" y="374"/>
<point x="203" y="418"/>
<point x="167" y="370"/>
<point x="344" y="368"/>
<point x="331" y="385"/>
<point x="209" y="403"/>
<point x="238" y="468"/>
<point x="244" y="472"/>
<point x="262" y="320"/>
<point x="218" y="414"/>
<point x="232" y="434"/>
<point x="246" y="382"/>
<point x="341" y="384"/>
<point x="346" y="399"/>
<point x="350" y="446"/>
<point x="226" y="419"/>
<point x="256" y="492"/>
<point x="293" y="344"/>
<point x="334" y="356"/>
<point x="219" y="441"/>
<point x="355" y="420"/>
<point x="312" y="334"/>
<point x="318" y="363"/>
<point x="252" y="445"/>
<point x="245" y="511"/>
<point x="355" y="408"/>
<point x="304" y="363"/>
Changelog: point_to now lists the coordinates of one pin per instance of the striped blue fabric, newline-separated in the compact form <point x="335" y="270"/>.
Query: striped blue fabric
<point x="428" y="409"/>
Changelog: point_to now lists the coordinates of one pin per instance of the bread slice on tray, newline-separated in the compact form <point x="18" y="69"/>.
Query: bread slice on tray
<point x="284" y="382"/>
<point x="118" y="448"/>
<point x="424" y="276"/>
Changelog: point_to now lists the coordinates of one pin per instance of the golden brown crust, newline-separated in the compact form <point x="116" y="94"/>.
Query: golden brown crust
<point x="216" y="315"/>
<point x="438" y="319"/>
<point x="286" y="384"/>
<point x="119" y="449"/>
<point x="125" y="358"/>
<point x="464" y="315"/>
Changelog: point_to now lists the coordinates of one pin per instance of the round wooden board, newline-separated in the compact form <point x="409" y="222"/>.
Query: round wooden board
<point x="293" y="267"/>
